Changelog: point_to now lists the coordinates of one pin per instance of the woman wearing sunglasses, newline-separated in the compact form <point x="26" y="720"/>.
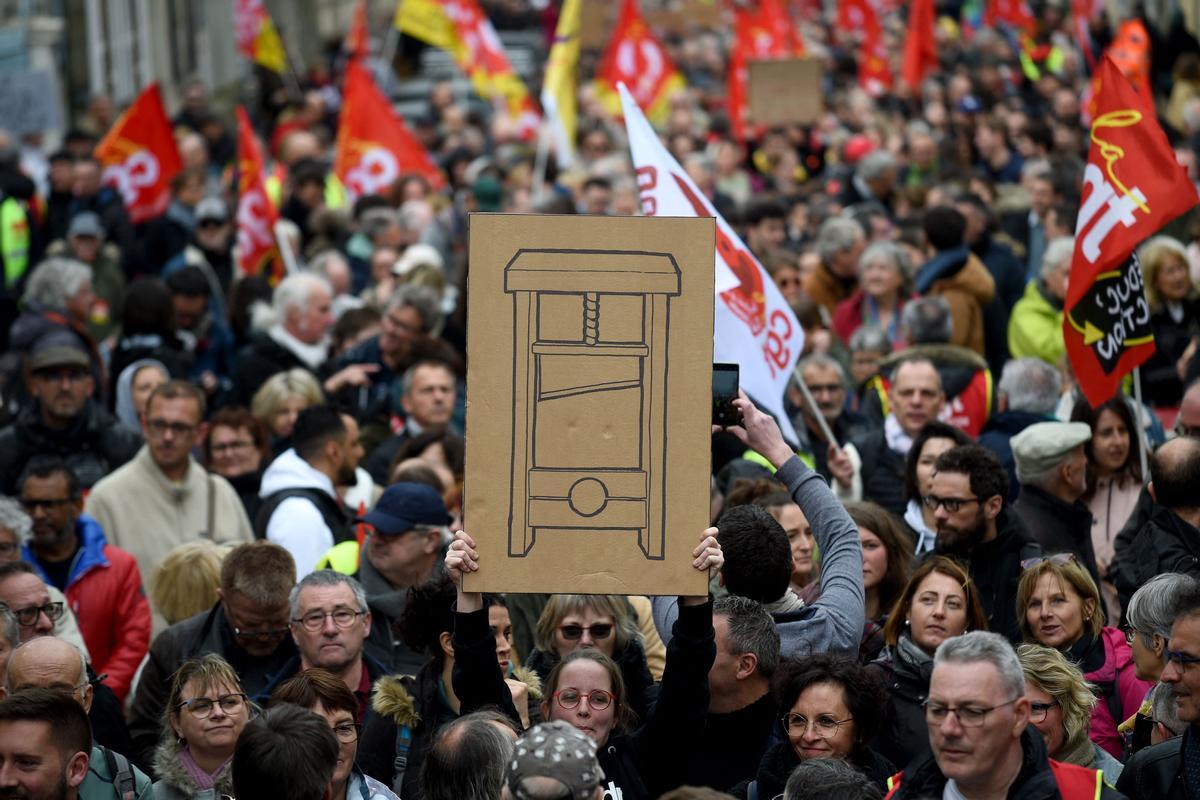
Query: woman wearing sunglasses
<point x="327" y="696"/>
<point x="205" y="713"/>
<point x="1059" y="606"/>
<point x="832" y="706"/>
<point x="586" y="687"/>
<point x="1061" y="703"/>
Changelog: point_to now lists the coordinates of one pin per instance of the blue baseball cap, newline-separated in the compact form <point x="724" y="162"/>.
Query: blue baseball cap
<point x="404" y="506"/>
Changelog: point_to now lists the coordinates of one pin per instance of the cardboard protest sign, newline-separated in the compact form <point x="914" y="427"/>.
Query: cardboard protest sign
<point x="784" y="91"/>
<point x="588" y="384"/>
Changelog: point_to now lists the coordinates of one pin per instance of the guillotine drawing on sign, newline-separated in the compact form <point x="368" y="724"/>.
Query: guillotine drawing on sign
<point x="590" y="357"/>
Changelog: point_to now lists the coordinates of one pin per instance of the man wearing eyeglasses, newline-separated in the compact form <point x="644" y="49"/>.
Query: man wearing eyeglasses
<point x="49" y="663"/>
<point x="164" y="497"/>
<point x="1168" y="770"/>
<point x="64" y="420"/>
<point x="102" y="582"/>
<point x="983" y="745"/>
<point x="330" y="622"/>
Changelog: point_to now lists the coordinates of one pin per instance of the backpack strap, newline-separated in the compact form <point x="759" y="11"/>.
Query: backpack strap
<point x="400" y="765"/>
<point x="122" y="774"/>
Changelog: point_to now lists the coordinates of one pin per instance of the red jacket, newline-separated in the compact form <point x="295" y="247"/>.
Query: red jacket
<point x="104" y="590"/>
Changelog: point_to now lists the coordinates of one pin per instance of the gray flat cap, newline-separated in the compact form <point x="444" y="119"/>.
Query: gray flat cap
<point x="1043" y="445"/>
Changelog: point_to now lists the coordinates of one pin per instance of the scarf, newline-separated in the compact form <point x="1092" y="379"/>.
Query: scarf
<point x="203" y="779"/>
<point x="788" y="604"/>
<point x="897" y="439"/>
<point x="382" y="595"/>
<point x="911" y="653"/>
<point x="313" y="355"/>
<point x="1081" y="752"/>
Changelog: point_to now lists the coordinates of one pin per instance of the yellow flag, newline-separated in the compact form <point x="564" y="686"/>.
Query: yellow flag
<point x="268" y="48"/>
<point x="558" y="88"/>
<point x="427" y="20"/>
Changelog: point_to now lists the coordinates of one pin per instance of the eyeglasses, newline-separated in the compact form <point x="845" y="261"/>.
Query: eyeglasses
<point x="60" y="375"/>
<point x="1037" y="711"/>
<point x="824" y="725"/>
<point x="574" y="633"/>
<point x="201" y="707"/>
<point x="347" y="732"/>
<point x="260" y="636"/>
<point x="315" y="620"/>
<point x="230" y="447"/>
<point x="159" y="427"/>
<point x="952" y="504"/>
<point x="45" y="505"/>
<point x="819" y="388"/>
<point x="597" y="699"/>
<point x="29" y="616"/>
<point x="968" y="716"/>
<point x="1058" y="560"/>
<point x="1130" y="634"/>
<point x="1180" y="658"/>
<point x="8" y="547"/>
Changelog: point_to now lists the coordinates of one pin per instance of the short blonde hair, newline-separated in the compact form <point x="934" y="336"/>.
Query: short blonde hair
<point x="185" y="583"/>
<point x="1153" y="254"/>
<point x="625" y="627"/>
<point x="1070" y="574"/>
<point x="1050" y="671"/>
<point x="270" y="397"/>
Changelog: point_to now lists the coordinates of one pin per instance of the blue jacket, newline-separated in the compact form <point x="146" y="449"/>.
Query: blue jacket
<point x="90" y="556"/>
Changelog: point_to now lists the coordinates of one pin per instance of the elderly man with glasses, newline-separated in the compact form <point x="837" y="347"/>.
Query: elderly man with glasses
<point x="983" y="747"/>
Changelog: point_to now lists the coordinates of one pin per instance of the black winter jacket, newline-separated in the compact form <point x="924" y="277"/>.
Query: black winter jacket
<point x="904" y="734"/>
<point x="882" y="472"/>
<point x="95" y="446"/>
<point x="1165" y="544"/>
<point x="1155" y="773"/>
<point x="1057" y="526"/>
<point x="256" y="362"/>
<point x="779" y="762"/>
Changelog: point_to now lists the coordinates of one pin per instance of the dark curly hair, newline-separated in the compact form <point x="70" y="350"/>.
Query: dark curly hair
<point x="987" y="477"/>
<point x="758" y="557"/>
<point x="934" y="429"/>
<point x="428" y="613"/>
<point x="865" y="694"/>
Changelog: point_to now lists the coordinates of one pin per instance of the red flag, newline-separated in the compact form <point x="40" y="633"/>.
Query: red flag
<point x="1133" y="186"/>
<point x="1015" y="13"/>
<point x="140" y="157"/>
<point x="759" y="33"/>
<point x="374" y="146"/>
<point x="920" y="50"/>
<point x="874" y="73"/>
<point x="356" y="37"/>
<point x="257" y="250"/>
<point x="634" y="57"/>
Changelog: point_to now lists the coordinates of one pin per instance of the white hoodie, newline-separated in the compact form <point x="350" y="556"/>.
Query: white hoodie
<point x="297" y="524"/>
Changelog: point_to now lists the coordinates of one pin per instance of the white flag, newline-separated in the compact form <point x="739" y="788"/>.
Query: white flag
<point x="753" y="324"/>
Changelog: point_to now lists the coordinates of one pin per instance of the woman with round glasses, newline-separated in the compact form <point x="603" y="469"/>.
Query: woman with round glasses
<point x="832" y="707"/>
<point x="1060" y="707"/>
<point x="205" y="713"/>
<point x="586" y="688"/>
<point x="327" y="696"/>
<point x="606" y="623"/>
<point x="939" y="602"/>
<point x="1059" y="606"/>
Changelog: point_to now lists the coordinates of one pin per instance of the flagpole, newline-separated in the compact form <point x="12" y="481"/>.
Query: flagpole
<point x="1143" y="444"/>
<point x="541" y="161"/>
<point x="285" y="248"/>
<point x="391" y="44"/>
<point x="814" y="409"/>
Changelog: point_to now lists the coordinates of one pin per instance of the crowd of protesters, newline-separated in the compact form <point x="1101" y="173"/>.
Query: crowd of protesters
<point x="231" y="535"/>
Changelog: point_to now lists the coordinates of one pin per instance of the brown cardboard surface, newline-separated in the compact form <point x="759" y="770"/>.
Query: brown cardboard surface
<point x="596" y="21"/>
<point x="589" y="357"/>
<point x="783" y="91"/>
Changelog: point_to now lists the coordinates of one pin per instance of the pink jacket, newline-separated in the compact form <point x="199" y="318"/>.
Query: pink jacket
<point x="1115" y="675"/>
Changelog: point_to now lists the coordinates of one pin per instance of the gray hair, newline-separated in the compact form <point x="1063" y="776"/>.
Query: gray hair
<point x="292" y="292"/>
<point x="829" y="779"/>
<point x="13" y="517"/>
<point x="12" y="630"/>
<point x="424" y="299"/>
<point x="410" y="374"/>
<point x="751" y="630"/>
<point x="1036" y="168"/>
<point x="375" y="221"/>
<point x="1031" y="385"/>
<point x="836" y="236"/>
<point x="887" y="251"/>
<point x="1151" y="610"/>
<point x="823" y="361"/>
<point x="468" y="760"/>
<point x="872" y="338"/>
<point x="987" y="647"/>
<point x="55" y="281"/>
<point x="326" y="577"/>
<point x="928" y="320"/>
<point x="875" y="164"/>
<point x="1057" y="252"/>
<point x="1164" y="709"/>
<point x="321" y="262"/>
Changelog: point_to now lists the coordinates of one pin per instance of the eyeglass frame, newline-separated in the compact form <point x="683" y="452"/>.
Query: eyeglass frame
<point x="837" y="725"/>
<point x="590" y="630"/>
<point x="1044" y="708"/>
<point x="58" y="608"/>
<point x="952" y="504"/>
<point x="30" y="505"/>
<point x="584" y="697"/>
<point x="245" y="701"/>
<point x="1180" y="657"/>
<point x="957" y="711"/>
<point x="1056" y="559"/>
<point x="312" y="615"/>
<point x="352" y="726"/>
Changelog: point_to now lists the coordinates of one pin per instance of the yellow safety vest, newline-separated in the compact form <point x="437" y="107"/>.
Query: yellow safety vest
<point x="14" y="240"/>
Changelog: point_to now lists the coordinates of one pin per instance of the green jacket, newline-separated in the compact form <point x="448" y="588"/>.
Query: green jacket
<point x="108" y="283"/>
<point x="99" y="783"/>
<point x="1035" y="327"/>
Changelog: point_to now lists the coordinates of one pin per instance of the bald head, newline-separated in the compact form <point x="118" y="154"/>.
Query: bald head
<point x="1189" y="410"/>
<point x="1175" y="474"/>
<point x="48" y="663"/>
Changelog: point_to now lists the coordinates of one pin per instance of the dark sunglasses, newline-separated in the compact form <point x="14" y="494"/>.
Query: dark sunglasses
<point x="574" y="633"/>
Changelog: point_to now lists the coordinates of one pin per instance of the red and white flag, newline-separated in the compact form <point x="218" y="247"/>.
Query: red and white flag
<point x="140" y="158"/>
<point x="754" y="325"/>
<point x="257" y="250"/>
<point x="374" y="146"/>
